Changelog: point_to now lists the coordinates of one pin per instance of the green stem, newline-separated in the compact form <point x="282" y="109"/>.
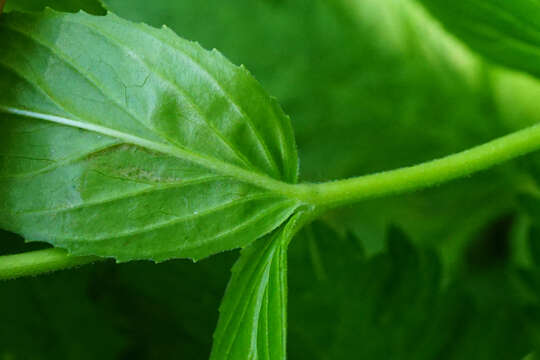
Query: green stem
<point x="424" y="175"/>
<point x="333" y="194"/>
<point x="38" y="262"/>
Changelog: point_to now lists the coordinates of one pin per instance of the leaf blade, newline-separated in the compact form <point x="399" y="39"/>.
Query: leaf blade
<point x="253" y="313"/>
<point x="148" y="128"/>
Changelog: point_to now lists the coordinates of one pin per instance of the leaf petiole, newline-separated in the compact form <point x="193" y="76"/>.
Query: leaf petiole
<point x="39" y="262"/>
<point x="478" y="158"/>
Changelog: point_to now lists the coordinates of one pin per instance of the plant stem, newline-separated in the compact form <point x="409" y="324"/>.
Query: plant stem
<point x="38" y="262"/>
<point x="333" y="194"/>
<point x="427" y="174"/>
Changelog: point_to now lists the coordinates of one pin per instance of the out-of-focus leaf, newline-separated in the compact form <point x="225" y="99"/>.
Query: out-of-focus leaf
<point x="137" y="145"/>
<point x="372" y="85"/>
<point x="95" y="7"/>
<point x="167" y="310"/>
<point x="341" y="305"/>
<point x="393" y="305"/>
<point x="505" y="32"/>
<point x="53" y="318"/>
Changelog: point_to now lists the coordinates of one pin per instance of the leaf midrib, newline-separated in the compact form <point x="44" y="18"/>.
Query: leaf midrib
<point x="180" y="219"/>
<point x="251" y="177"/>
<point x="146" y="190"/>
<point x="221" y="167"/>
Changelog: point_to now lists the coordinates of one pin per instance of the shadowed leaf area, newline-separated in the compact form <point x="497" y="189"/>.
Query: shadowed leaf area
<point x="373" y="85"/>
<point x="342" y="305"/>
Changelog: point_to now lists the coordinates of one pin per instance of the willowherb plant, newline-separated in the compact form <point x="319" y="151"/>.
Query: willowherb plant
<point x="121" y="140"/>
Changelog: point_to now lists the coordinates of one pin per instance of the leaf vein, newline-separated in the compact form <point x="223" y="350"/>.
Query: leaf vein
<point x="150" y="189"/>
<point x="117" y="42"/>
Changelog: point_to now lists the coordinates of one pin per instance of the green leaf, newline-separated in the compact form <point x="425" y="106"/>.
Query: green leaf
<point x="505" y="32"/>
<point x="137" y="145"/>
<point x="47" y="312"/>
<point x="95" y="7"/>
<point x="253" y="313"/>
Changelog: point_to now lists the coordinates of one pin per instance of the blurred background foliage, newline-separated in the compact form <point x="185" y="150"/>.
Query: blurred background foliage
<point x="370" y="85"/>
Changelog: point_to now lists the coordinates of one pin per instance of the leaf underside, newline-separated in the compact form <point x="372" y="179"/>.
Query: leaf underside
<point x="126" y="141"/>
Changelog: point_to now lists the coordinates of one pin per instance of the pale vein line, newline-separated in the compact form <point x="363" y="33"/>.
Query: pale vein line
<point x="257" y="179"/>
<point x="238" y="109"/>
